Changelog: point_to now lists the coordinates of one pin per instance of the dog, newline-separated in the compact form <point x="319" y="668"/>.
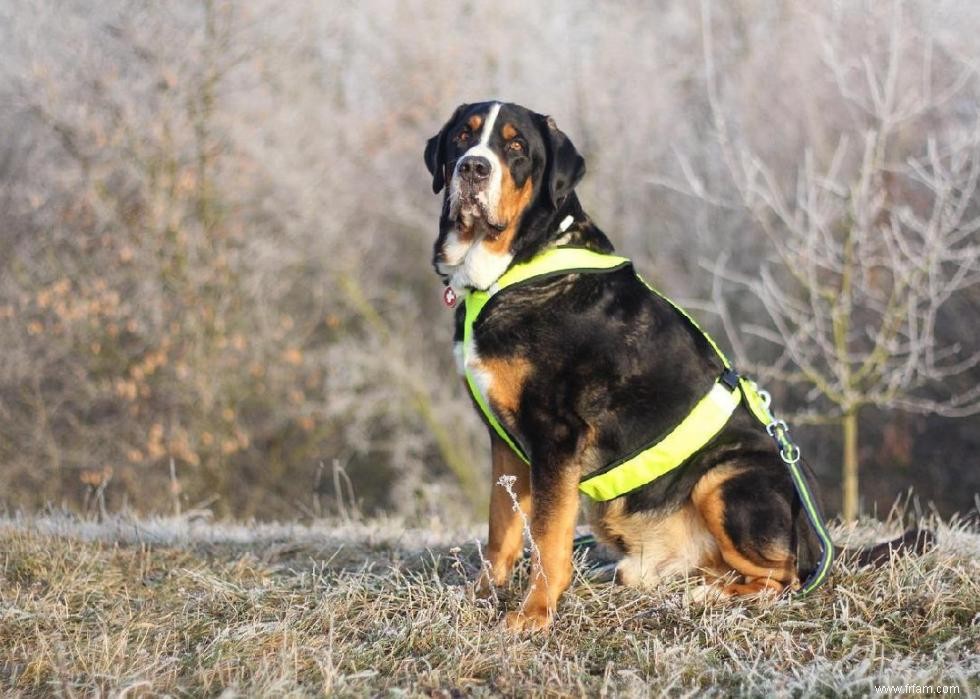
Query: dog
<point x="582" y="369"/>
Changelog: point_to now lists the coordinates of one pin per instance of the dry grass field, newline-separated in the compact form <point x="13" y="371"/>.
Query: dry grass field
<point x="217" y="300"/>
<point x="190" y="607"/>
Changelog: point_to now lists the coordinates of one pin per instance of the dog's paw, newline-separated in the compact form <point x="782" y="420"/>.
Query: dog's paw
<point x="528" y="621"/>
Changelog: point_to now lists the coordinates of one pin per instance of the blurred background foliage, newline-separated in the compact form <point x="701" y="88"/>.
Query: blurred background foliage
<point x="216" y="227"/>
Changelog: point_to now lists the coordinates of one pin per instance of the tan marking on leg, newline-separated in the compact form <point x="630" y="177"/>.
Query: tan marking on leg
<point x="553" y="529"/>
<point x="506" y="538"/>
<point x="778" y="567"/>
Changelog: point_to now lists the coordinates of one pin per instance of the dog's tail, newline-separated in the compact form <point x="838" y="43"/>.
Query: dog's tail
<point x="916" y="541"/>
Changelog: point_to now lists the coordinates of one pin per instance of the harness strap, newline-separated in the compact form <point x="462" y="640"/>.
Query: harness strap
<point x="705" y="420"/>
<point x="563" y="260"/>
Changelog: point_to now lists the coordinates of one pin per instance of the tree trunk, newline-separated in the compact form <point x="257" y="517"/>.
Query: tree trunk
<point x="849" y="424"/>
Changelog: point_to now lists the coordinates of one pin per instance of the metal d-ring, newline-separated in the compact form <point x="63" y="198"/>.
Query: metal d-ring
<point x="794" y="453"/>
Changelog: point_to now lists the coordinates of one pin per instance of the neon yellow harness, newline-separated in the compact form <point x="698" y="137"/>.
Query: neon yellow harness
<point x="706" y="419"/>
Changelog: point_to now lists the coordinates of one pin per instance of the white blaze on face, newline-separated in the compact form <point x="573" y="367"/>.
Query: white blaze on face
<point x="488" y="198"/>
<point x="470" y="263"/>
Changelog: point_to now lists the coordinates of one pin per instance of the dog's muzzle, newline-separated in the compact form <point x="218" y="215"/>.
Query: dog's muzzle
<point x="474" y="170"/>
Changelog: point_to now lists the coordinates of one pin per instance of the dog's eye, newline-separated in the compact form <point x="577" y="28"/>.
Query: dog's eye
<point x="463" y="136"/>
<point x="516" y="146"/>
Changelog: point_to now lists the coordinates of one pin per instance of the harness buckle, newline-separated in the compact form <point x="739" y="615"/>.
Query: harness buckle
<point x="729" y="377"/>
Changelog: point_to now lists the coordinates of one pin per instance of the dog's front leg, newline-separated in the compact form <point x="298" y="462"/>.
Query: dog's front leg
<point x="555" y="498"/>
<point x="506" y="540"/>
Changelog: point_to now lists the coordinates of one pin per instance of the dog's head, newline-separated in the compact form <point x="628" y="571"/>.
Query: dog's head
<point x="508" y="172"/>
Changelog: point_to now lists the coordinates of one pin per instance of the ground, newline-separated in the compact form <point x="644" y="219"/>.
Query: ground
<point x="186" y="606"/>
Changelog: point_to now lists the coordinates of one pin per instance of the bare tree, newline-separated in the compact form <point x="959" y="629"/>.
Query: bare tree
<point x="215" y="224"/>
<point x="867" y="248"/>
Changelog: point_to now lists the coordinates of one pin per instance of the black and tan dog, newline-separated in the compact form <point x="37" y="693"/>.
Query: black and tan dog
<point x="585" y="368"/>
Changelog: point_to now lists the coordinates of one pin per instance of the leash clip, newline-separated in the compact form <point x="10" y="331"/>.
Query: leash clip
<point x="788" y="451"/>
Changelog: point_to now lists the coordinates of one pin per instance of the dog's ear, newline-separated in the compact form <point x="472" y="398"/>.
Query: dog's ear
<point x="435" y="151"/>
<point x="565" y="167"/>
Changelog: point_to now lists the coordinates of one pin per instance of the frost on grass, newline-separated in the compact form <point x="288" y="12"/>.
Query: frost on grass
<point x="198" y="528"/>
<point x="192" y="607"/>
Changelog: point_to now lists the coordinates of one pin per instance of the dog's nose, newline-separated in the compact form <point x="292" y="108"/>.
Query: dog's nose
<point x="474" y="168"/>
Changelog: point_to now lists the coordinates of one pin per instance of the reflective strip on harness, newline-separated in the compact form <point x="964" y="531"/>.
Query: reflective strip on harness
<point x="703" y="422"/>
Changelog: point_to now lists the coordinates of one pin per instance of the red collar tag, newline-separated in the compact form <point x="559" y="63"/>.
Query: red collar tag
<point x="449" y="297"/>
